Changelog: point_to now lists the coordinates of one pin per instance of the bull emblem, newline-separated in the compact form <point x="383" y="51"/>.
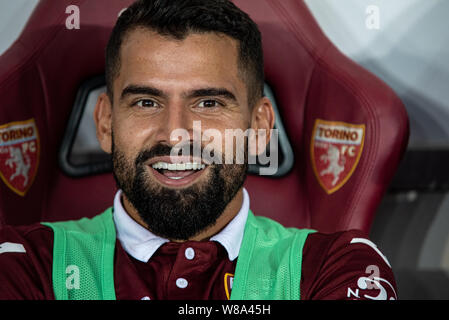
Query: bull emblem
<point x="334" y="168"/>
<point x="17" y="159"/>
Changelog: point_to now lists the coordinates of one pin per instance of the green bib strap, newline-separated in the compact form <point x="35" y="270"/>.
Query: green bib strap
<point x="83" y="258"/>
<point x="268" y="266"/>
<point x="269" y="262"/>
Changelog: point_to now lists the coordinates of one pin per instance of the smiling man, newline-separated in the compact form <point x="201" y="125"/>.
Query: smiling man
<point x="181" y="226"/>
<point x="167" y="82"/>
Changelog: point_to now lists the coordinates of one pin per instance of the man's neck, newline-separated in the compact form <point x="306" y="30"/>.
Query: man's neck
<point x="228" y="214"/>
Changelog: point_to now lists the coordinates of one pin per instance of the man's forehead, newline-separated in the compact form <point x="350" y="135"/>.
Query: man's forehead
<point x="199" y="57"/>
<point x="143" y="40"/>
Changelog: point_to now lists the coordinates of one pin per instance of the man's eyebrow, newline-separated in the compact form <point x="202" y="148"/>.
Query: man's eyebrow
<point x="139" y="89"/>
<point x="212" y="92"/>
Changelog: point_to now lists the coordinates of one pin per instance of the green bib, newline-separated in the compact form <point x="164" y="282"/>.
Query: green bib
<point x="268" y="265"/>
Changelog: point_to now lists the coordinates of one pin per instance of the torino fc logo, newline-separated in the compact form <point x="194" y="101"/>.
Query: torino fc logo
<point x="335" y="150"/>
<point x="19" y="154"/>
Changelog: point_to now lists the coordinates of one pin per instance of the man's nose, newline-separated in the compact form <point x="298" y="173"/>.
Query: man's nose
<point x="176" y="124"/>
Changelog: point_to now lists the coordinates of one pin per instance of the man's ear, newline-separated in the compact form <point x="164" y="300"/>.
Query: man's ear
<point x="262" y="121"/>
<point x="103" y="122"/>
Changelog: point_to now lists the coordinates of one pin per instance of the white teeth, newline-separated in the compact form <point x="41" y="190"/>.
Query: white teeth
<point x="175" y="178"/>
<point x="179" y="166"/>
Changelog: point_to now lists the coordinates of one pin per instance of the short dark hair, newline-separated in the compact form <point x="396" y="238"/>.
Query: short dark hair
<point x="178" y="18"/>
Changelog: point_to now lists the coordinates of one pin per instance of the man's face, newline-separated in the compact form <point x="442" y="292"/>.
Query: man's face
<point x="163" y="85"/>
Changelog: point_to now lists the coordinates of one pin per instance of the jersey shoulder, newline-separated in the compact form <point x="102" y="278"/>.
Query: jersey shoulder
<point x="345" y="265"/>
<point x="26" y="254"/>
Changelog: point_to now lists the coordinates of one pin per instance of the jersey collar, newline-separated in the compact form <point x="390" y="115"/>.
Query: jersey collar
<point x="141" y="244"/>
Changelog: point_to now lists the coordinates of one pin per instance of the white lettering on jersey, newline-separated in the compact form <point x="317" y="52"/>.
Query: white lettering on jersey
<point x="11" y="247"/>
<point x="372" y="245"/>
<point x="372" y="282"/>
<point x="363" y="283"/>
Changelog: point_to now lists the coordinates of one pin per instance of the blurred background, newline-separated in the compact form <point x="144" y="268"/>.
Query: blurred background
<point x="407" y="46"/>
<point x="410" y="52"/>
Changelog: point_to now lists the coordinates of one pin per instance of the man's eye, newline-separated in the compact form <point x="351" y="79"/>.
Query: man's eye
<point x="145" y="103"/>
<point x="208" y="104"/>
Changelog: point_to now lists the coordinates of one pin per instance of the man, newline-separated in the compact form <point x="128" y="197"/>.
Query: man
<point x="181" y="226"/>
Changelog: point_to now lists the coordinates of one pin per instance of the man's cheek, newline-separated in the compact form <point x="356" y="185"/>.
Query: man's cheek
<point x="225" y="147"/>
<point x="212" y="146"/>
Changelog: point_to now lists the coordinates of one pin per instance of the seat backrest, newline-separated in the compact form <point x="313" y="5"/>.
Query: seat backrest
<point x="347" y="128"/>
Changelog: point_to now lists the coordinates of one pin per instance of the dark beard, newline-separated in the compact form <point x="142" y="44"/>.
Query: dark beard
<point x="172" y="213"/>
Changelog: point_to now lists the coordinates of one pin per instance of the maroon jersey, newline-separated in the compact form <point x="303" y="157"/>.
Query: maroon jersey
<point x="343" y="265"/>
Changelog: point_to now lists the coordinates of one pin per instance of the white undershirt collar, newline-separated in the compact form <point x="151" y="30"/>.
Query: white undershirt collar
<point x="141" y="243"/>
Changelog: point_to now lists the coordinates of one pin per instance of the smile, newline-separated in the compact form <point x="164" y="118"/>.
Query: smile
<point x="178" y="166"/>
<point x="177" y="174"/>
